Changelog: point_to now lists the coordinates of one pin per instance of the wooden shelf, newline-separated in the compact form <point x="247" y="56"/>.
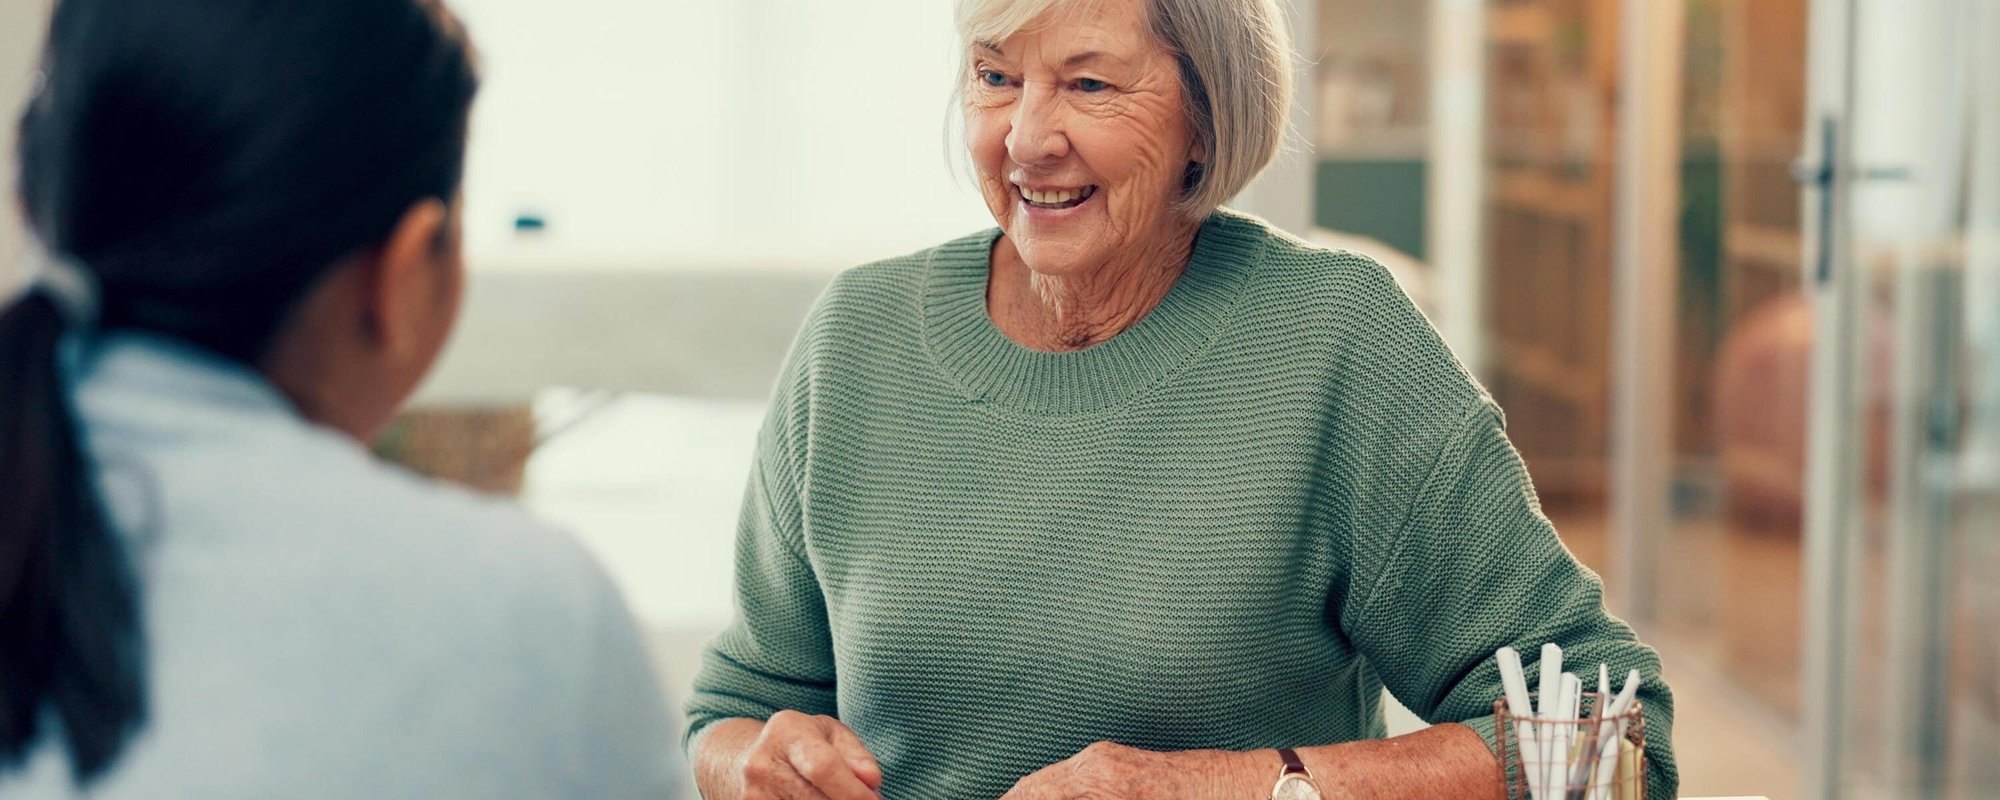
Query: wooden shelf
<point x="1551" y="374"/>
<point x="1750" y="244"/>
<point x="1553" y="70"/>
<point x="1404" y="143"/>
<point x="1520" y="26"/>
<point x="1538" y="191"/>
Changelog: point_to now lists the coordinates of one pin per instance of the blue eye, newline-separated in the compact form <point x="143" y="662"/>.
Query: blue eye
<point x="991" y="78"/>
<point x="1091" y="85"/>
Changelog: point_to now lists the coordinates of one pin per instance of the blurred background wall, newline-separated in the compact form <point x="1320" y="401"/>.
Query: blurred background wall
<point x="655" y="135"/>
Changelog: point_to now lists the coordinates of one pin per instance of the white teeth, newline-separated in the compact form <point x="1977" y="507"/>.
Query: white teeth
<point x="1053" y="198"/>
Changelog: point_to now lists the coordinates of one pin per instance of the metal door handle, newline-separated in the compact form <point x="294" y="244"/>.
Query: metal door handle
<point x="1821" y="174"/>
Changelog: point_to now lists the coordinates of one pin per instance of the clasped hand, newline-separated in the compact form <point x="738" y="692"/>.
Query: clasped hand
<point x="804" y="757"/>
<point x="1110" y="771"/>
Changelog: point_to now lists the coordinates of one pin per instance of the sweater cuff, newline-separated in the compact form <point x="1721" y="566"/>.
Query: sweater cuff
<point x="691" y="743"/>
<point x="1485" y="726"/>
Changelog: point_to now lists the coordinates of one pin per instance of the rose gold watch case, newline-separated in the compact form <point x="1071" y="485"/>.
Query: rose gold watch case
<point x="1295" y="786"/>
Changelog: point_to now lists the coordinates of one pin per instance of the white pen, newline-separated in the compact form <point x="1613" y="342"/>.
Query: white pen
<point x="1607" y="757"/>
<point x="1514" y="682"/>
<point x="1581" y="773"/>
<point x="1570" y="691"/>
<point x="1551" y="685"/>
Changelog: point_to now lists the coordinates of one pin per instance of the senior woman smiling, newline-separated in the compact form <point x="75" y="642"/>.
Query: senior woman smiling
<point x="1120" y="499"/>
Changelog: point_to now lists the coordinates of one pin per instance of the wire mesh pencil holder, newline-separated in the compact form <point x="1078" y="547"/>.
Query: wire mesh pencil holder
<point x="1588" y="759"/>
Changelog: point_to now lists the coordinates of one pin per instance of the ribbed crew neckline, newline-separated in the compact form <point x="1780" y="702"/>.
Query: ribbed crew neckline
<point x="991" y="368"/>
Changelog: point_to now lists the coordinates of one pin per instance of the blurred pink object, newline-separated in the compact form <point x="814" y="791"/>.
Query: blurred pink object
<point x="1763" y="377"/>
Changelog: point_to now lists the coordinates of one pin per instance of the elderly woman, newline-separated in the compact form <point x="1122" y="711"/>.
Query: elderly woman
<point x="1132" y="497"/>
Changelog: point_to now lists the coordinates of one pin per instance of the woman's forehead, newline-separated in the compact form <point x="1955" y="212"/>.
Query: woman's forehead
<point x="1074" y="31"/>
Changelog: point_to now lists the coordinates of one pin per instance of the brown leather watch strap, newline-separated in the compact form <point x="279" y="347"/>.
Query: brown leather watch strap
<point x="1292" y="762"/>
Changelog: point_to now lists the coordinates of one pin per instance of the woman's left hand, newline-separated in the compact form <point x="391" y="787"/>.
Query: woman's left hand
<point x="1110" y="771"/>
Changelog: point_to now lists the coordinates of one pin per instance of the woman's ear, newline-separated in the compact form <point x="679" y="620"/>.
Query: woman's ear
<point x="405" y="292"/>
<point x="1197" y="165"/>
<point x="1198" y="150"/>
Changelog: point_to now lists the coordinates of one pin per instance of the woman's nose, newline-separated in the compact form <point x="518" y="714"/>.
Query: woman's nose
<point x="1037" y="134"/>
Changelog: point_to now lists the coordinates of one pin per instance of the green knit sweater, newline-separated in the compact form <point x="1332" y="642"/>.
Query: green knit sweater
<point x="1229" y="526"/>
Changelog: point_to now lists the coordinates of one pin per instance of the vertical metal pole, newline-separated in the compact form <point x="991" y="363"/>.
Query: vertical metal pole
<point x="1922" y="486"/>
<point x="1833" y="443"/>
<point x="1645" y="263"/>
<point x="1923" y="161"/>
<point x="1455" y="217"/>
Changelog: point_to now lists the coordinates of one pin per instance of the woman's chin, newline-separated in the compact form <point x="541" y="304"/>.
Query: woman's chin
<point x="1060" y="246"/>
<point x="1050" y="260"/>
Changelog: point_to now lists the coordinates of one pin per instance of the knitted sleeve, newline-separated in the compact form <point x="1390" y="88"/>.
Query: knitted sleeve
<point x="778" y="653"/>
<point x="1475" y="565"/>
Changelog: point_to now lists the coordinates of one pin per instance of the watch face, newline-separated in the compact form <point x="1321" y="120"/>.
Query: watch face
<point x="1295" y="787"/>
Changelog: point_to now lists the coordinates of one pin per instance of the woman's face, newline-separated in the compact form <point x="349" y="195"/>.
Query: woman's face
<point x="1079" y="134"/>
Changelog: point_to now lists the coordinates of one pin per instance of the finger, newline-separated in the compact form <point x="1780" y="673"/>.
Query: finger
<point x="792" y="786"/>
<point x="772" y="778"/>
<point x="827" y="770"/>
<point x="859" y="760"/>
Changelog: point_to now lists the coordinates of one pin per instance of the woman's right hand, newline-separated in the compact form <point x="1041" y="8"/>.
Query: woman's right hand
<point x="799" y="756"/>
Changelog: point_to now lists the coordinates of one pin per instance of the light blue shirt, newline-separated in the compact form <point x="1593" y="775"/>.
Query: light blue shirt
<point x="322" y="625"/>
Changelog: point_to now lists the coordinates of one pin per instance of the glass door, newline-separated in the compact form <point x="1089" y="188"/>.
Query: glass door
<point x="1902" y="696"/>
<point x="1729" y="598"/>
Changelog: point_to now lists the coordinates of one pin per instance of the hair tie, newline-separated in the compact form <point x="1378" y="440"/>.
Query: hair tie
<point x="74" y="290"/>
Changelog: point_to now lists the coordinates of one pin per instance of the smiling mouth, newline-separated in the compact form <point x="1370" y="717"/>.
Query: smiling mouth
<point x="1065" y="198"/>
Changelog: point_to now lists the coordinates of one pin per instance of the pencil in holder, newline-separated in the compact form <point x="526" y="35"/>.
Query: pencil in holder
<point x="1586" y="758"/>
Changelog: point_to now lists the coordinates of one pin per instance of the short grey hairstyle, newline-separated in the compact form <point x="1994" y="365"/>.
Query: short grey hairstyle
<point x="1235" y="61"/>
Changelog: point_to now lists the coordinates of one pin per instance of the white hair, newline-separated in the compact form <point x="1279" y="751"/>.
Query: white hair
<point x="1235" y="60"/>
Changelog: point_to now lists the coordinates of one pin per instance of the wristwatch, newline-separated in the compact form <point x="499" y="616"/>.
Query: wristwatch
<point x="1295" y="782"/>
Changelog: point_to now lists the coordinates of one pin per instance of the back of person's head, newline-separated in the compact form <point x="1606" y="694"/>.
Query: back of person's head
<point x="196" y="168"/>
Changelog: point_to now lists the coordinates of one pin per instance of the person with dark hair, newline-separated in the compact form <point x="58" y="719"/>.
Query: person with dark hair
<point x="208" y="588"/>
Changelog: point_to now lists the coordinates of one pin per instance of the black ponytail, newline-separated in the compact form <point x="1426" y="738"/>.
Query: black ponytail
<point x="69" y="633"/>
<point x="206" y="161"/>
